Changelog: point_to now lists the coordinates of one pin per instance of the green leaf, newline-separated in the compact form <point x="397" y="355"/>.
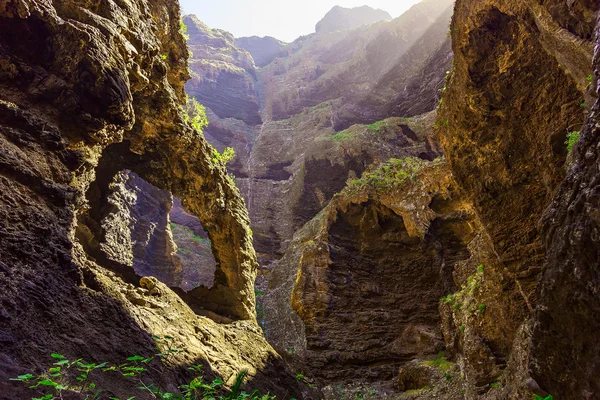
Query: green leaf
<point x="46" y="397"/>
<point x="25" y="378"/>
<point x="57" y="356"/>
<point x="61" y="362"/>
<point x="129" y="374"/>
<point x="47" y="382"/>
<point x="135" y="358"/>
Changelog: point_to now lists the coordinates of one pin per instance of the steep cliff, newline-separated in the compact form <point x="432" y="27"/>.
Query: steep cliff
<point x="568" y="308"/>
<point x="89" y="89"/>
<point x="519" y="86"/>
<point x="291" y="165"/>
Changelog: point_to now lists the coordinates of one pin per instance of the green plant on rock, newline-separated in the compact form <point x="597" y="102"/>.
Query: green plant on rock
<point x="194" y="114"/>
<point x="78" y="376"/>
<point x="536" y="397"/>
<point x="225" y="157"/>
<point x="183" y="29"/>
<point x="440" y="362"/>
<point x="572" y="138"/>
<point x="376" y="126"/>
<point x="340" y="136"/>
<point x="390" y="175"/>
<point x="463" y="299"/>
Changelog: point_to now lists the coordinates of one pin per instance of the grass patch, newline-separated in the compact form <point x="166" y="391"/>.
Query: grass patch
<point x="338" y="137"/>
<point x="572" y="138"/>
<point x="440" y="362"/>
<point x="376" y="126"/>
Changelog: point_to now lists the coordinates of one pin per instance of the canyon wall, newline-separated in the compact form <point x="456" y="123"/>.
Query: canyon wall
<point x="281" y="160"/>
<point x="88" y="90"/>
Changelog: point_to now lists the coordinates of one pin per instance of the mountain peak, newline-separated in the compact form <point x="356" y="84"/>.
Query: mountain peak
<point x="340" y="18"/>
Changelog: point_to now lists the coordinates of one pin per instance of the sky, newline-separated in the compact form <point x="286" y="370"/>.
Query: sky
<point x="283" y="19"/>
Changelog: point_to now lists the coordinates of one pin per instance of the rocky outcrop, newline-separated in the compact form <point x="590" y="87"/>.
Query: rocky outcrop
<point x="341" y="19"/>
<point x="90" y="89"/>
<point x="147" y="229"/>
<point x="366" y="274"/>
<point x="136" y="230"/>
<point x="263" y="49"/>
<point x="298" y="187"/>
<point x="279" y="166"/>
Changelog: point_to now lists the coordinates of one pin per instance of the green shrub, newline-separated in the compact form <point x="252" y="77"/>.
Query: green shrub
<point x="463" y="299"/>
<point x="572" y="138"/>
<point x="195" y="114"/>
<point x="225" y="157"/>
<point x="338" y="137"/>
<point x="183" y="30"/>
<point x="440" y="362"/>
<point x="390" y="175"/>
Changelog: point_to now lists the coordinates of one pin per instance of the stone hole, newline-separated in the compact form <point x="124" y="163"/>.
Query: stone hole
<point x="147" y="229"/>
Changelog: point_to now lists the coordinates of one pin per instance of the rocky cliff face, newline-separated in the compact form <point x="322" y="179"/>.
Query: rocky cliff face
<point x="366" y="274"/>
<point x="503" y="127"/>
<point x="280" y="164"/>
<point x="341" y="19"/>
<point x="316" y="135"/>
<point x="88" y="90"/>
<point x="568" y="307"/>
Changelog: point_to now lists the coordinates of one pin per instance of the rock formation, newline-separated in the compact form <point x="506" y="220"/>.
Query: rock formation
<point x="88" y="90"/>
<point x="279" y="165"/>
<point x="366" y="274"/>
<point x="406" y="251"/>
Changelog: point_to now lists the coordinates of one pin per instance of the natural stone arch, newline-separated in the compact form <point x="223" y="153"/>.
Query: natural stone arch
<point x="180" y="168"/>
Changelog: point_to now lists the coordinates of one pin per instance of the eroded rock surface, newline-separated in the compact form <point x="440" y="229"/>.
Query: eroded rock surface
<point x="568" y="306"/>
<point x="365" y="275"/>
<point x="87" y="90"/>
